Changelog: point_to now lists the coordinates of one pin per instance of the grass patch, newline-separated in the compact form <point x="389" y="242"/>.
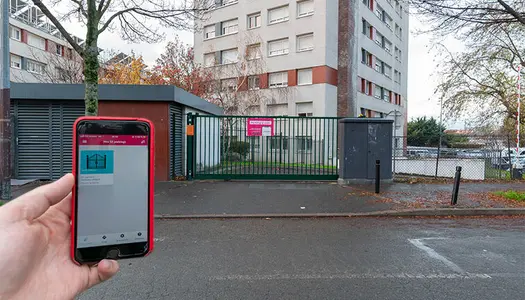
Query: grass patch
<point x="512" y="195"/>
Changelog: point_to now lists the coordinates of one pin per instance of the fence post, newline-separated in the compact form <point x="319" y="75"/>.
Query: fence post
<point x="510" y="159"/>
<point x="190" y="149"/>
<point x="378" y="176"/>
<point x="500" y="160"/>
<point x="455" y="189"/>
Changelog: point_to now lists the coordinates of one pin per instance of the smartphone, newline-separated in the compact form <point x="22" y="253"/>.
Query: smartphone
<point x="112" y="203"/>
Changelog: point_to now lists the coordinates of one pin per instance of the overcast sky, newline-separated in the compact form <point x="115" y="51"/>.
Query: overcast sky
<point x="421" y="83"/>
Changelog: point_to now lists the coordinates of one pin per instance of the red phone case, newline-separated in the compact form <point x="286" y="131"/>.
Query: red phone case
<point x="151" y="220"/>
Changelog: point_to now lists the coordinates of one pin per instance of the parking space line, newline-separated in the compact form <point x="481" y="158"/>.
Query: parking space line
<point x="433" y="254"/>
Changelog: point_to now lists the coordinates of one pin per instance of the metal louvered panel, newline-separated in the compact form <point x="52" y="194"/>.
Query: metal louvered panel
<point x="70" y="112"/>
<point x="176" y="153"/>
<point x="63" y="116"/>
<point x="34" y="133"/>
<point x="45" y="133"/>
<point x="56" y="140"/>
<point x="12" y="112"/>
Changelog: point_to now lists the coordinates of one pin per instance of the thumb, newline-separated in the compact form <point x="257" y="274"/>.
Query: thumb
<point x="103" y="271"/>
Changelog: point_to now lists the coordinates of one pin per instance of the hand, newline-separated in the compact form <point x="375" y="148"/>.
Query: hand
<point x="34" y="247"/>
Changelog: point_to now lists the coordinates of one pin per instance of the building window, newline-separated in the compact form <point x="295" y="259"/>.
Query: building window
<point x="304" y="143"/>
<point x="388" y="21"/>
<point x="35" y="67"/>
<point x="16" y="61"/>
<point x="304" y="115"/>
<point x="209" y="32"/>
<point x="387" y="70"/>
<point x="305" y="8"/>
<point x="366" y="57"/>
<point x="278" y="47"/>
<point x="399" y="32"/>
<point x="230" y="27"/>
<point x="378" y="38"/>
<point x="15" y="33"/>
<point x="387" y="45"/>
<point x="397" y="76"/>
<point x="253" y="52"/>
<point x="253" y="83"/>
<point x="379" y="12"/>
<point x="229" y="85"/>
<point x="229" y="56"/>
<point x="304" y="76"/>
<point x="378" y="92"/>
<point x="305" y="42"/>
<point x="367" y="29"/>
<point x="254" y="21"/>
<point x="386" y="95"/>
<point x="209" y="59"/>
<point x="36" y="41"/>
<point x="220" y="3"/>
<point x="367" y="3"/>
<point x="378" y="65"/>
<point x="279" y="14"/>
<point x="397" y="54"/>
<point x="279" y="79"/>
<point x="278" y="143"/>
<point x="59" y="49"/>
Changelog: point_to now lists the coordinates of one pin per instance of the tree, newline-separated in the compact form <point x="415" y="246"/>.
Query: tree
<point x="456" y="16"/>
<point x="479" y="83"/>
<point x="132" y="17"/>
<point x="176" y="66"/>
<point x="132" y="71"/>
<point x="424" y="132"/>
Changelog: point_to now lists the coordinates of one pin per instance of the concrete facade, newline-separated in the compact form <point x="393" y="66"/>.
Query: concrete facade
<point x="38" y="52"/>
<point x="232" y="25"/>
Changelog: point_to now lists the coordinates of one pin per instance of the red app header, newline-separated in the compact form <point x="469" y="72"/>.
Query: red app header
<point x="112" y="140"/>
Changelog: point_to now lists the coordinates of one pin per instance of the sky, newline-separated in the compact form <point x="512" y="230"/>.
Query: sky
<point x="421" y="82"/>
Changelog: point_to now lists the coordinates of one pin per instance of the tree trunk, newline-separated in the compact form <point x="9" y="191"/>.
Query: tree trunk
<point x="91" y="66"/>
<point x="91" y="63"/>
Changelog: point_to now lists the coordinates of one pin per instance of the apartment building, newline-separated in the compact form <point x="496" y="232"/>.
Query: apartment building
<point x="38" y="52"/>
<point x="297" y="42"/>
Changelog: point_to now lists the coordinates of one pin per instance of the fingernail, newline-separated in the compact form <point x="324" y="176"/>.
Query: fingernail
<point x="106" y="264"/>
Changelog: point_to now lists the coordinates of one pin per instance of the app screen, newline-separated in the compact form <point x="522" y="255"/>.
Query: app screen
<point x="112" y="206"/>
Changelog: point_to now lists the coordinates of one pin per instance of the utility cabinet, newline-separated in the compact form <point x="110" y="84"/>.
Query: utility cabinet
<point x="365" y="140"/>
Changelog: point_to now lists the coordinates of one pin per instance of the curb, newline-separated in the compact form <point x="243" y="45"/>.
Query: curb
<point x="434" y="212"/>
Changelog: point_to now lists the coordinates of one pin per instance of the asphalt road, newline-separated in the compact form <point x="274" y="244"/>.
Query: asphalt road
<point x="327" y="259"/>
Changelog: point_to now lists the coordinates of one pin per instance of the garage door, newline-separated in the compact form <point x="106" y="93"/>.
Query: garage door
<point x="44" y="137"/>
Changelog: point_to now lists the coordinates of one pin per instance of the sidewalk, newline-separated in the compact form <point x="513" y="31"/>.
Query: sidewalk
<point x="202" y="198"/>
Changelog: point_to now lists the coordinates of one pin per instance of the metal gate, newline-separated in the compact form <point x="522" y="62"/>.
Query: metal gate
<point x="240" y="147"/>
<point x="43" y="137"/>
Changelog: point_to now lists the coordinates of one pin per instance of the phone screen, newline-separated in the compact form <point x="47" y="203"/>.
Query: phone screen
<point x="112" y="190"/>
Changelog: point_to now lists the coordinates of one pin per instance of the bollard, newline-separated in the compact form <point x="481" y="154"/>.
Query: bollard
<point x="378" y="175"/>
<point x="455" y="189"/>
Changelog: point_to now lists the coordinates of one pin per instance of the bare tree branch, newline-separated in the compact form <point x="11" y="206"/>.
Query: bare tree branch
<point x="59" y="26"/>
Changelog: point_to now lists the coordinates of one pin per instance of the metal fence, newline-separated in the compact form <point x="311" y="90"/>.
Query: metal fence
<point x="481" y="157"/>
<point x="267" y="147"/>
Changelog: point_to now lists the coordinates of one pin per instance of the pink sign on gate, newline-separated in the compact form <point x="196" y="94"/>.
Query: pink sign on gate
<point x="260" y="126"/>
